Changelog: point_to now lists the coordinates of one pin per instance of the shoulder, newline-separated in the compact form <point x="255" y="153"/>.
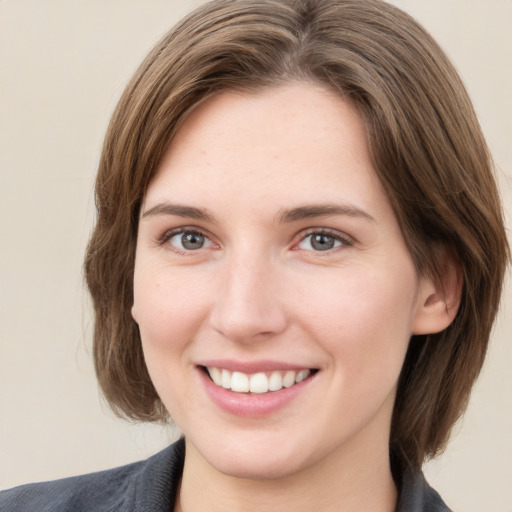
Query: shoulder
<point x="416" y="495"/>
<point x="148" y="485"/>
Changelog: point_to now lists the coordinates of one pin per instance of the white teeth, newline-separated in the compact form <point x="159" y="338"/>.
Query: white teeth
<point x="289" y="379"/>
<point x="303" y="374"/>
<point x="226" y="379"/>
<point x="216" y="375"/>
<point x="258" y="382"/>
<point x="239" y="382"/>
<point x="275" y="383"/>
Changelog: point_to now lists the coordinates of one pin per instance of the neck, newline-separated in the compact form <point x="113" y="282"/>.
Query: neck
<point x="341" y="482"/>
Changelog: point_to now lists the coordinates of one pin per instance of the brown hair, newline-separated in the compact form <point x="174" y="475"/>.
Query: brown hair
<point x="427" y="148"/>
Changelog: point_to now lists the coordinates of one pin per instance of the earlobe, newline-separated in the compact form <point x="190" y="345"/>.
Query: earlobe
<point x="134" y="314"/>
<point x="438" y="300"/>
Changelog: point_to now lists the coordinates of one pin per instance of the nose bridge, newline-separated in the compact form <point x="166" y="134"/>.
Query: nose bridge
<point x="248" y="306"/>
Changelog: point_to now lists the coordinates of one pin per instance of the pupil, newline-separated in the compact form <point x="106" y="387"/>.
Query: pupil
<point x="192" y="240"/>
<point x="322" y="242"/>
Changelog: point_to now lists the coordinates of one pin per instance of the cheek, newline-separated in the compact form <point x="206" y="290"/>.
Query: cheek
<point x="363" y="318"/>
<point x="166" y="304"/>
<point x="168" y="311"/>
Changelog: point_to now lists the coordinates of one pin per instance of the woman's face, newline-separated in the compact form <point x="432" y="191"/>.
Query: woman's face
<point x="269" y="261"/>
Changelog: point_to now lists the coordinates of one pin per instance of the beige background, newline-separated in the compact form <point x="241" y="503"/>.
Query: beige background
<point x="63" y="64"/>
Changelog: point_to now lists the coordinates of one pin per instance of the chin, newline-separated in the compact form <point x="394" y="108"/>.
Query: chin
<point x="256" y="469"/>
<point x="252" y="460"/>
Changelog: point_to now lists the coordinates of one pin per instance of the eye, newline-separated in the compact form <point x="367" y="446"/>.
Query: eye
<point x="322" y="241"/>
<point x="189" y="240"/>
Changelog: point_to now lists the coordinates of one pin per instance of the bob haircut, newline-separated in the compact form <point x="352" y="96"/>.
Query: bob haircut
<point x="427" y="149"/>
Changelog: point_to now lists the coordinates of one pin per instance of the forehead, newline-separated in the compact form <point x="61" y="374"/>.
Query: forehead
<point x="293" y="143"/>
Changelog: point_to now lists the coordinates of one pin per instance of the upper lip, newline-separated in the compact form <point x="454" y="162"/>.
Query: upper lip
<point x="250" y="367"/>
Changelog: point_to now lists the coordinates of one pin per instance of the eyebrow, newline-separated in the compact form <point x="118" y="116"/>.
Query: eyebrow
<point x="190" y="212"/>
<point x="321" y="210"/>
<point x="284" y="215"/>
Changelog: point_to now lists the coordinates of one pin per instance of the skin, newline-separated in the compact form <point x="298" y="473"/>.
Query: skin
<point x="259" y="290"/>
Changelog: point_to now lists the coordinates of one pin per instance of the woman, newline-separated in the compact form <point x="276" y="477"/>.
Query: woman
<point x="298" y="257"/>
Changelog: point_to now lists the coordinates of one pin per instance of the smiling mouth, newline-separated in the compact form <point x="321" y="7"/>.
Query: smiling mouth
<point x="257" y="383"/>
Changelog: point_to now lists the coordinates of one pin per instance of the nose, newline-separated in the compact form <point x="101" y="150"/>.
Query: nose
<point x="249" y="306"/>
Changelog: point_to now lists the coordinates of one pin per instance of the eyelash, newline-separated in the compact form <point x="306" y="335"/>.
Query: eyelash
<point x="168" y="235"/>
<point x="344" y="240"/>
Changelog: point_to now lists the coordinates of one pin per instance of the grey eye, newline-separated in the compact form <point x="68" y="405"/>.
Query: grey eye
<point x="189" y="241"/>
<point x="319" y="242"/>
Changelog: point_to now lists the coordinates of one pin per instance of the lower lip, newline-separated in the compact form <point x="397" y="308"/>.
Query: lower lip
<point x="253" y="405"/>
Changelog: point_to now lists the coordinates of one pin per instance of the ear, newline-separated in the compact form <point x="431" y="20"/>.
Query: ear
<point x="439" y="298"/>
<point x="134" y="314"/>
